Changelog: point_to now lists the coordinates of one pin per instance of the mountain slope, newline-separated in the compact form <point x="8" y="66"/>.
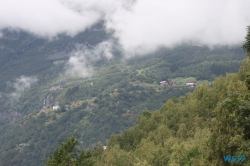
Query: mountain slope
<point x="108" y="101"/>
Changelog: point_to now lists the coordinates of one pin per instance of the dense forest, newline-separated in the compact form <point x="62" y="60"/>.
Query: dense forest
<point x="107" y="102"/>
<point x="197" y="129"/>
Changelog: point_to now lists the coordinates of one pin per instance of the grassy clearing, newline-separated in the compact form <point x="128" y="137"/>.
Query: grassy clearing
<point x="141" y="72"/>
<point x="203" y="82"/>
<point x="154" y="85"/>
<point x="184" y="80"/>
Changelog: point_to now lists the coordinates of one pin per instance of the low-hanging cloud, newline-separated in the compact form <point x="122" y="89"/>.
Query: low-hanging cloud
<point x="151" y="24"/>
<point x="44" y="18"/>
<point x="47" y="18"/>
<point x="20" y="85"/>
<point x="140" y="26"/>
<point x="81" y="59"/>
<point x="77" y="66"/>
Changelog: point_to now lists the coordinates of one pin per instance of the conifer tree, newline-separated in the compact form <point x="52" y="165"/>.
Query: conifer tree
<point x="246" y="44"/>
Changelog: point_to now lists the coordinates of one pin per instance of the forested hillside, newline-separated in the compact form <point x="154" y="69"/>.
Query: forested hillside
<point x="197" y="129"/>
<point x="106" y="102"/>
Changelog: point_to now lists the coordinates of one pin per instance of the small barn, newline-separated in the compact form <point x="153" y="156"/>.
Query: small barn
<point x="55" y="107"/>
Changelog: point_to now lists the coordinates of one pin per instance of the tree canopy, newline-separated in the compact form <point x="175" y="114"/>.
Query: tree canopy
<point x="68" y="155"/>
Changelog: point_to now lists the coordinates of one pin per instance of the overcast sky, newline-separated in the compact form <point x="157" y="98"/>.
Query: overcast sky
<point x="140" y="26"/>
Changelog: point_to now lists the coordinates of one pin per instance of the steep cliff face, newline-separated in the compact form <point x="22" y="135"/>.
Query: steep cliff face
<point x="49" y="101"/>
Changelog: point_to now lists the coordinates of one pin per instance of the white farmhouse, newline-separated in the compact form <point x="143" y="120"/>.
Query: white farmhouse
<point x="55" y="107"/>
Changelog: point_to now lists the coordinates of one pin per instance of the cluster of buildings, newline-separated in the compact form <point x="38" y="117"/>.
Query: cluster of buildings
<point x="166" y="83"/>
<point x="192" y="83"/>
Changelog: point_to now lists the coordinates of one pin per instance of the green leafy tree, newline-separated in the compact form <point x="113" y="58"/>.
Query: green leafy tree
<point x="68" y="155"/>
